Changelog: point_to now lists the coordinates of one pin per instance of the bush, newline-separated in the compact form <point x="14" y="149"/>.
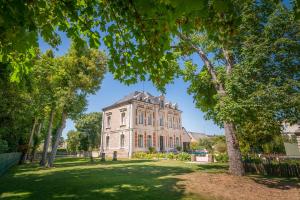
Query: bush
<point x="178" y="148"/>
<point x="140" y="155"/>
<point x="170" y="156"/>
<point x="3" y="146"/>
<point x="184" y="156"/>
<point x="152" y="150"/>
<point x="222" y="157"/>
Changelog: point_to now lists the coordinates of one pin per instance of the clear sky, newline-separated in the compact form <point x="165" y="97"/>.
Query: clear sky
<point x="112" y="90"/>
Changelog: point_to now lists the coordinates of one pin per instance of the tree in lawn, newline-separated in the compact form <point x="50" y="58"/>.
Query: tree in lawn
<point x="73" y="141"/>
<point x="23" y="22"/>
<point x="267" y="76"/>
<point x="148" y="38"/>
<point x="89" y="126"/>
<point x="45" y="86"/>
<point x="82" y="73"/>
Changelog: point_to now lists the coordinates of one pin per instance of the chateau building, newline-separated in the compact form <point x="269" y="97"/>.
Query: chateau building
<point x="139" y="121"/>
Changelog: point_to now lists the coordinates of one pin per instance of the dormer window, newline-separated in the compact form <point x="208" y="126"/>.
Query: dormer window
<point x="162" y="104"/>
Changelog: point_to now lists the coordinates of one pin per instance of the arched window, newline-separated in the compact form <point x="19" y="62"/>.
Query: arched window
<point x="122" y="140"/>
<point x="107" y="142"/>
<point x="149" y="141"/>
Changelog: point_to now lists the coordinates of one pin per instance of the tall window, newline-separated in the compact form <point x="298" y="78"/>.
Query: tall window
<point x="122" y="140"/>
<point x="141" y="117"/>
<point x="108" y="121"/>
<point x="149" y="119"/>
<point x="169" y="121"/>
<point x="123" y="119"/>
<point x="161" y="120"/>
<point x="149" y="141"/>
<point x="177" y="141"/>
<point x="171" y="142"/>
<point x="140" y="141"/>
<point x="107" y="142"/>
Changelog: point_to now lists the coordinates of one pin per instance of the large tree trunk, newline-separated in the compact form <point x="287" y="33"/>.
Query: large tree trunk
<point x="235" y="158"/>
<point x="47" y="139"/>
<point x="30" y="140"/>
<point x="58" y="135"/>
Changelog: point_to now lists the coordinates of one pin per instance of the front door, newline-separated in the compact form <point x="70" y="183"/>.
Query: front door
<point x="161" y="143"/>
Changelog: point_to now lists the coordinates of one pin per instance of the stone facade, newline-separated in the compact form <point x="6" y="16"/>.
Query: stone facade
<point x="139" y="121"/>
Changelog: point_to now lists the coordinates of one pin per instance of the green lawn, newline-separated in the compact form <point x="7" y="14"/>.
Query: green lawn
<point x="74" y="178"/>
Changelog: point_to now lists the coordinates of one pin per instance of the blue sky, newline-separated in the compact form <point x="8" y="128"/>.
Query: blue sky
<point x="112" y="90"/>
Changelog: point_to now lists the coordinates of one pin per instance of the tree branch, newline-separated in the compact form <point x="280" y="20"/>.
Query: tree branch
<point x="219" y="87"/>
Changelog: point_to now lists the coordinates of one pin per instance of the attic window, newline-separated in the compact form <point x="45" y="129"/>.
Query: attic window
<point x="161" y="104"/>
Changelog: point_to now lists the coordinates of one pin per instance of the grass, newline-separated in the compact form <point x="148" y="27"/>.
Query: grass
<point x="77" y="178"/>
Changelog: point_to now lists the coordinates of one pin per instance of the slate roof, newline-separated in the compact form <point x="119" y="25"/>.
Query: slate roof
<point x="197" y="136"/>
<point x="140" y="96"/>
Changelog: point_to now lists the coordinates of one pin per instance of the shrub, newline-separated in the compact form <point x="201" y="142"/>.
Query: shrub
<point x="184" y="156"/>
<point x="140" y="155"/>
<point x="152" y="150"/>
<point x="170" y="156"/>
<point x="178" y="148"/>
<point x="222" y="157"/>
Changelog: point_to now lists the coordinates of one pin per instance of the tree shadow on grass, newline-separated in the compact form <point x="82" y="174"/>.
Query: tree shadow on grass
<point x="277" y="182"/>
<point x="213" y="168"/>
<point x="132" y="179"/>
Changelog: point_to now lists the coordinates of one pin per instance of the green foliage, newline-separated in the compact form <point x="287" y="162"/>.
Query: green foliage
<point x="54" y="84"/>
<point x="195" y="146"/>
<point x="183" y="156"/>
<point x="73" y="141"/>
<point x="171" y="156"/>
<point x="23" y="22"/>
<point x="206" y="143"/>
<point x="178" y="148"/>
<point x="220" y="147"/>
<point x="3" y="146"/>
<point x="151" y="149"/>
<point x="221" y="157"/>
<point x="89" y="128"/>
<point x="140" y="155"/>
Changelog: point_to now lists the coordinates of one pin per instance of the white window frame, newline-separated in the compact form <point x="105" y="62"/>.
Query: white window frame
<point x="123" y="119"/>
<point x="108" y="121"/>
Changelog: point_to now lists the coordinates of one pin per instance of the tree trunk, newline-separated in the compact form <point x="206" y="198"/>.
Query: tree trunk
<point x="35" y="145"/>
<point x="47" y="139"/>
<point x="235" y="158"/>
<point x="30" y="139"/>
<point x="58" y="135"/>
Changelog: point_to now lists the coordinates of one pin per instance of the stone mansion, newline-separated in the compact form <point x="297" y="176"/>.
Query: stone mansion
<point x="139" y="121"/>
